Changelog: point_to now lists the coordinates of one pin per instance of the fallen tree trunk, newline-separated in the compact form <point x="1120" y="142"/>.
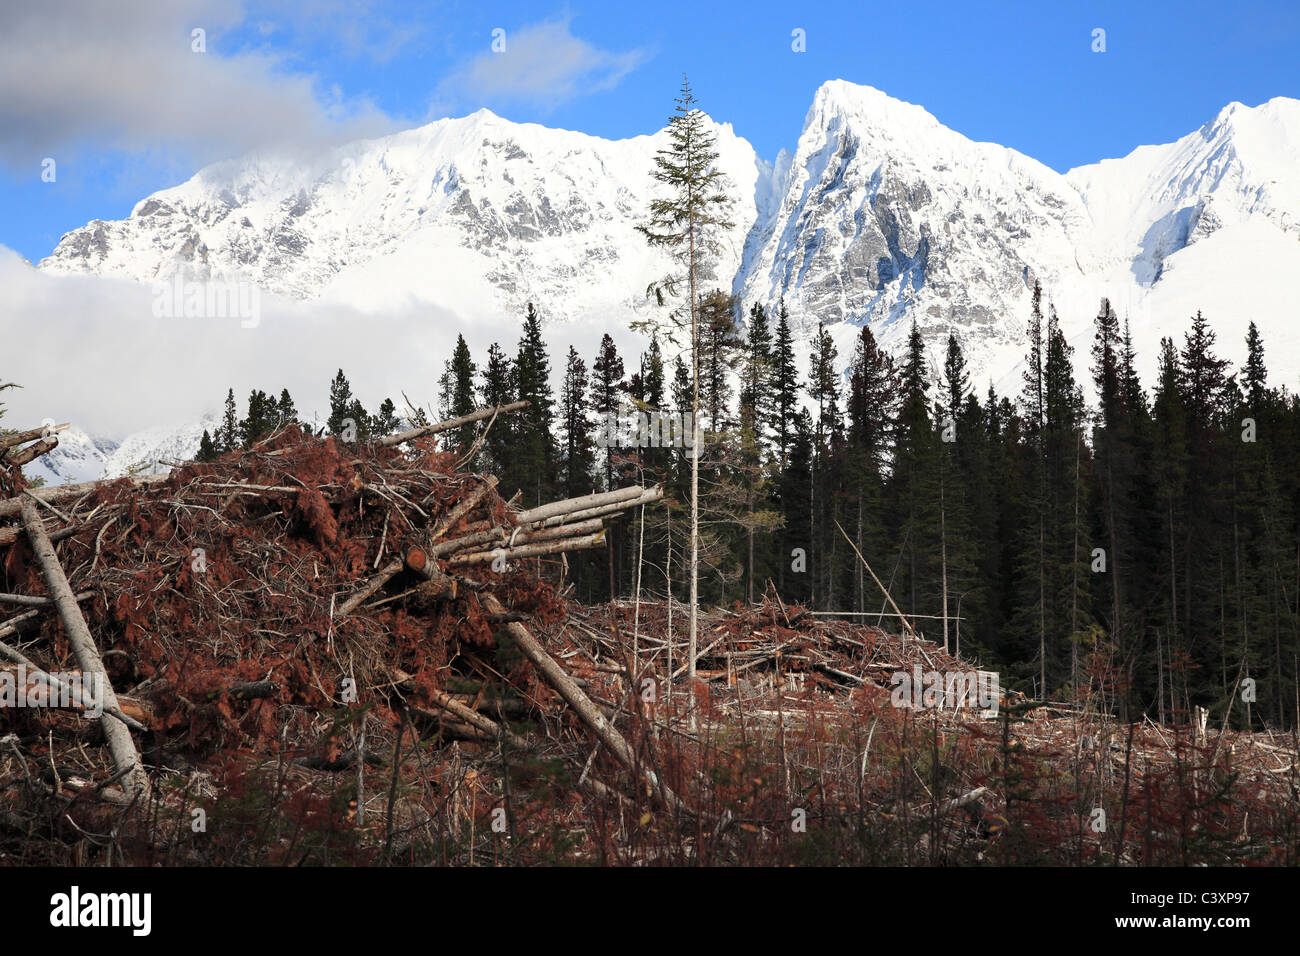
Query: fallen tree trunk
<point x="570" y="505"/>
<point x="476" y="720"/>
<point x="500" y="535"/>
<point x="393" y="568"/>
<point x="650" y="497"/>
<point x="582" y="705"/>
<point x="29" y="454"/>
<point x="31" y="434"/>
<point x="529" y="550"/>
<point x="12" y="625"/>
<point x="130" y="711"/>
<point x="446" y="523"/>
<point x="386" y="574"/>
<point x="24" y="600"/>
<point x="13" y="506"/>
<point x="443" y="586"/>
<point x="474" y="416"/>
<point x="9" y="535"/>
<point x="126" y="758"/>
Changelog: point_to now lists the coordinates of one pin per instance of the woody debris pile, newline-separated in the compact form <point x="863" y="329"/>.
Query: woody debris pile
<point x="314" y="651"/>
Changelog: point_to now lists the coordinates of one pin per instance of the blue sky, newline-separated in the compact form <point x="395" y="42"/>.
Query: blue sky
<point x="116" y="96"/>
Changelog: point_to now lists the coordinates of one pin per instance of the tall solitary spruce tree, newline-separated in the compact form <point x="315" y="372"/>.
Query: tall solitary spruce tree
<point x="685" y="222"/>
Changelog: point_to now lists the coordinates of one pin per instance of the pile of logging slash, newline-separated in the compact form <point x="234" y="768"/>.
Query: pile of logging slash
<point x="227" y="607"/>
<point x="359" y="652"/>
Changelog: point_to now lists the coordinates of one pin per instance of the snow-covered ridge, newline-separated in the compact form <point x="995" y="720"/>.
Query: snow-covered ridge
<point x="459" y="210"/>
<point x="879" y="215"/>
<point x="80" y="457"/>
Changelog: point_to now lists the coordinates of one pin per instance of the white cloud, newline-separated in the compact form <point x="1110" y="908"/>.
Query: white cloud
<point x="542" y="64"/>
<point x="89" y="350"/>
<point x="80" y="73"/>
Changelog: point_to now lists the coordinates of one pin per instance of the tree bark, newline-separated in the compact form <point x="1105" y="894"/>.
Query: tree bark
<point x="29" y="454"/>
<point x="570" y="506"/>
<point x="31" y="434"/>
<point x="126" y="758"/>
<point x="474" y="416"/>
<point x="13" y="506"/>
<point x="582" y="705"/>
<point x="596" y="540"/>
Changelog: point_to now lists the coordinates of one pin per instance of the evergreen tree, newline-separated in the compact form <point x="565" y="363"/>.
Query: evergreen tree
<point x="535" y="452"/>
<point x="1255" y="374"/>
<point x="457" y="395"/>
<point x="342" y="408"/>
<point x="823" y="390"/>
<point x="685" y="222"/>
<point x="956" y="383"/>
<point x="914" y="486"/>
<point x="719" y="346"/>
<point x="795" y="497"/>
<point x="870" y="409"/>
<point x="785" y="386"/>
<point x="207" y="448"/>
<point x="499" y="389"/>
<point x="228" y="433"/>
<point x="607" y="383"/>
<point x="286" y="413"/>
<point x="578" y="457"/>
<point x="385" y="421"/>
<point x="754" y="414"/>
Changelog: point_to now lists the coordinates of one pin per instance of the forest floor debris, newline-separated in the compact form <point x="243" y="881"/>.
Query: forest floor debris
<point x="357" y="653"/>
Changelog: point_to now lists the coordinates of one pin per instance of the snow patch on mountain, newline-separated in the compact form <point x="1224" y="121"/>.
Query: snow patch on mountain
<point x="880" y="215"/>
<point x="82" y="457"/>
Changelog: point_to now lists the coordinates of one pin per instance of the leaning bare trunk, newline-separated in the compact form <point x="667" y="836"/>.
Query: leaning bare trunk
<point x="126" y="758"/>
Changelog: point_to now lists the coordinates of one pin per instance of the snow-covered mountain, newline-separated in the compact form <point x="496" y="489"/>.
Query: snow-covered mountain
<point x="468" y="212"/>
<point x="880" y="215"/>
<point x="887" y="216"/>
<point x="79" y="457"/>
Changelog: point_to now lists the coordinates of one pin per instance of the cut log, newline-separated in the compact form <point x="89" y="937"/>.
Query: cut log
<point x="582" y="705"/>
<point x="13" y="506"/>
<point x="475" y="719"/>
<point x="9" y="535"/>
<point x="32" y="674"/>
<point x="24" y="600"/>
<point x="31" y="434"/>
<point x="650" y="497"/>
<point x="126" y="758"/>
<point x="502" y="535"/>
<point x="570" y="505"/>
<point x="442" y="585"/>
<point x="23" y="456"/>
<point x="386" y="574"/>
<point x="449" y="520"/>
<point x="474" y="416"/>
<point x="529" y="550"/>
<point x="12" y="625"/>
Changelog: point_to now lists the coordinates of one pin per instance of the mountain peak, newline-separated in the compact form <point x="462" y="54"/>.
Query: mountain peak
<point x="863" y="102"/>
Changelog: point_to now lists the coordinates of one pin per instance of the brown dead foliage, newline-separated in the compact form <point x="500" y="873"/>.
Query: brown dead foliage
<point x="229" y="575"/>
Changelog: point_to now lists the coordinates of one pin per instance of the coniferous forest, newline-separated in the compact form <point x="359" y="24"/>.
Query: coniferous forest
<point x="1144" y="544"/>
